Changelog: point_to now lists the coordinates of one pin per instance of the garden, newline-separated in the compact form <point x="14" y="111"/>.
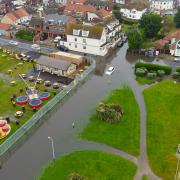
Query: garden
<point x="116" y="122"/>
<point x="25" y="35"/>
<point x="148" y="73"/>
<point x="12" y="111"/>
<point x="163" y="125"/>
<point x="89" y="165"/>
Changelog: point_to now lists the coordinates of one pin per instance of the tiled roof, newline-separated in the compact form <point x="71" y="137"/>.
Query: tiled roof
<point x="21" y="13"/>
<point x="159" y="44"/>
<point x="79" y="1"/>
<point x="4" y="26"/>
<point x="104" y="13"/>
<point x="79" y="8"/>
<point x="175" y="34"/>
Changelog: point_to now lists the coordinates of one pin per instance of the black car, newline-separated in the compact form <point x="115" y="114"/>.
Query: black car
<point x="63" y="48"/>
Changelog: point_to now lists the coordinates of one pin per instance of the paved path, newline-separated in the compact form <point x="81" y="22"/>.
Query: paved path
<point x="26" y="162"/>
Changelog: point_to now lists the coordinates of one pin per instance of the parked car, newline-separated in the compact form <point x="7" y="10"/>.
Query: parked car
<point x="120" y="44"/>
<point x="36" y="47"/>
<point x="177" y="59"/>
<point x="110" y="71"/>
<point x="14" y="43"/>
<point x="63" y="48"/>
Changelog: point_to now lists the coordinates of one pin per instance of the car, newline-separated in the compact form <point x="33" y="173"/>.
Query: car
<point x="36" y="47"/>
<point x="177" y="59"/>
<point x="14" y="43"/>
<point x="63" y="48"/>
<point x="110" y="71"/>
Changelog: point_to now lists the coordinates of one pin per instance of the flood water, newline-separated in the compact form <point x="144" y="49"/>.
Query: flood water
<point x="27" y="161"/>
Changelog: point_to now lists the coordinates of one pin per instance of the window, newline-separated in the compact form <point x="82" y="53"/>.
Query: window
<point x="69" y="44"/>
<point x="75" y="39"/>
<point x="84" y="40"/>
<point x="85" y="33"/>
<point x="75" y="45"/>
<point x="84" y="47"/>
<point x="76" y="32"/>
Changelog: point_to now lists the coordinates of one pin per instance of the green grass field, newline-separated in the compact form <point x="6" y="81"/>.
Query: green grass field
<point x="123" y="135"/>
<point x="92" y="165"/>
<point x="163" y="127"/>
<point x="144" y="80"/>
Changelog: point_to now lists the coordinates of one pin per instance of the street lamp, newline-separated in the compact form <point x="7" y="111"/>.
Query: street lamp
<point x="52" y="144"/>
<point x="178" y="156"/>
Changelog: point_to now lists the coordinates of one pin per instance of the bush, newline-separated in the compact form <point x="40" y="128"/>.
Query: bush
<point x="110" y="113"/>
<point x="178" y="70"/>
<point x="160" y="73"/>
<point x="154" y="67"/>
<point x="141" y="72"/>
<point x="175" y="75"/>
<point x="151" y="75"/>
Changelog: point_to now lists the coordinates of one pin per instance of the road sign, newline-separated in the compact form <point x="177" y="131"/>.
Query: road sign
<point x="178" y="152"/>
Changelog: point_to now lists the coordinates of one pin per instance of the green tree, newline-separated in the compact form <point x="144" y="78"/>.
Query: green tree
<point x="116" y="12"/>
<point x="134" y="40"/>
<point x="151" y="24"/>
<point x="177" y="18"/>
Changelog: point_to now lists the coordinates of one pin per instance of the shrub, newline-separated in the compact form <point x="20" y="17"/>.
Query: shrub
<point x="175" y="75"/>
<point x="141" y="72"/>
<point x="110" y="113"/>
<point x="160" y="73"/>
<point x="178" y="70"/>
<point x="151" y="75"/>
<point x="154" y="67"/>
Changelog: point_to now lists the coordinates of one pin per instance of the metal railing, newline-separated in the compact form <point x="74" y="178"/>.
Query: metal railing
<point x="12" y="141"/>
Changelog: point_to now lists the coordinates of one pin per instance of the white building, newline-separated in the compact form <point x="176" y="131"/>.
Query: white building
<point x="162" y="5"/>
<point x="133" y="13"/>
<point x="119" y="1"/>
<point x="61" y="1"/>
<point x="90" y="39"/>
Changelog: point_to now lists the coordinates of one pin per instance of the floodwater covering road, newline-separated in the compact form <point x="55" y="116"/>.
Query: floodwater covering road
<point x="26" y="162"/>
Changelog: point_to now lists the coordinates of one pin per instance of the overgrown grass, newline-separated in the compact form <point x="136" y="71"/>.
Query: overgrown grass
<point x="92" y="165"/>
<point x="144" y="80"/>
<point x="123" y="135"/>
<point x="163" y="127"/>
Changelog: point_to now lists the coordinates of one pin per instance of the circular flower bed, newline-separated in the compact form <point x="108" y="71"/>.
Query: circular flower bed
<point x="5" y="128"/>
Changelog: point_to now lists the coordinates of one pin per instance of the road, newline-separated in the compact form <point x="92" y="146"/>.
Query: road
<point x="28" y="160"/>
<point x="27" y="46"/>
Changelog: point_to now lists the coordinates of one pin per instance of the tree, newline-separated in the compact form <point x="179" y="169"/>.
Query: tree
<point x="116" y="12"/>
<point x="134" y="40"/>
<point x="151" y="24"/>
<point x="177" y="18"/>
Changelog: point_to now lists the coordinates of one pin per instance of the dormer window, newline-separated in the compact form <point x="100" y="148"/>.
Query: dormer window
<point x="85" y="33"/>
<point x="76" y="32"/>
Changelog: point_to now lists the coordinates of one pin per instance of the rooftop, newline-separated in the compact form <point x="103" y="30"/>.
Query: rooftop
<point x="53" y="62"/>
<point x="95" y="32"/>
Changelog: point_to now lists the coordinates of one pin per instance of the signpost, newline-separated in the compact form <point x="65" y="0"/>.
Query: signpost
<point x="177" y="175"/>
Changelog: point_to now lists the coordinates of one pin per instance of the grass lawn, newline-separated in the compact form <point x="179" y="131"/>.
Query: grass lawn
<point x="144" y="80"/>
<point x="144" y="177"/>
<point x="163" y="127"/>
<point x="25" y="35"/>
<point x="147" y="44"/>
<point x="123" y="135"/>
<point x="7" y="90"/>
<point x="92" y="165"/>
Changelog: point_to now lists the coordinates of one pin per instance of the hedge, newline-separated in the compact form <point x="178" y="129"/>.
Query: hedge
<point x="154" y="67"/>
<point x="178" y="70"/>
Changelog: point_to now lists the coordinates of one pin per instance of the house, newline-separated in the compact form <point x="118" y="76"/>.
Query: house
<point x="159" y="6"/>
<point x="78" y="10"/>
<point x="4" y="28"/>
<point x="50" y="26"/>
<point x="99" y="14"/>
<point x="92" y="39"/>
<point x="134" y="9"/>
<point x="16" y="17"/>
<point x="55" y="66"/>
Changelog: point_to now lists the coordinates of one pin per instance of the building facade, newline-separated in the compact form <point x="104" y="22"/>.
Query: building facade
<point x="162" y="5"/>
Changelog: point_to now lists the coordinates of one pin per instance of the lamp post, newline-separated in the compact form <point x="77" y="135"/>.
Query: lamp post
<point x="178" y="156"/>
<point x="52" y="144"/>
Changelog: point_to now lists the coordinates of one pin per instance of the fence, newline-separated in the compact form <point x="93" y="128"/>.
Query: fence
<point x="22" y="133"/>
